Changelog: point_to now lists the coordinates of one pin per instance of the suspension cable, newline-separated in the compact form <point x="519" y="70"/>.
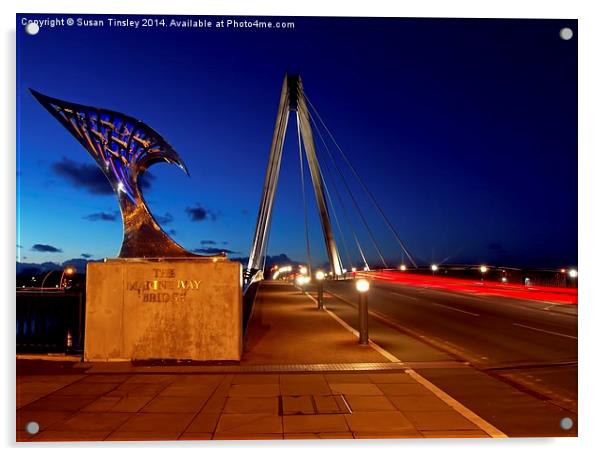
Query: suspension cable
<point x="364" y="221"/>
<point x="360" y="180"/>
<point x="345" y="215"/>
<point x="336" y="218"/>
<point x="304" y="199"/>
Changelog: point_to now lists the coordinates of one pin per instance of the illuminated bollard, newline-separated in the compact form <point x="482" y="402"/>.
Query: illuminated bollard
<point x="320" y="279"/>
<point x="301" y="281"/>
<point x="362" y="286"/>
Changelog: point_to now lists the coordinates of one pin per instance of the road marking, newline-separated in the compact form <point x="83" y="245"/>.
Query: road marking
<point x="405" y="296"/>
<point x="457" y="406"/>
<point x="455" y="308"/>
<point x="484" y="425"/>
<point x="545" y="331"/>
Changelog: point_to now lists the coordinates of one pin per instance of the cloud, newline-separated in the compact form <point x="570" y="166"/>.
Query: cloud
<point x="102" y="216"/>
<point x="212" y="250"/>
<point x="172" y="232"/>
<point x="90" y="177"/>
<point x="199" y="213"/>
<point x="208" y="242"/>
<point x="83" y="175"/>
<point x="87" y="255"/>
<point x="164" y="219"/>
<point x="45" y="248"/>
<point x="145" y="180"/>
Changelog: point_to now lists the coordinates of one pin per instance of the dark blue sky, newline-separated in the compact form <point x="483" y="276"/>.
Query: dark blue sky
<point x="465" y="131"/>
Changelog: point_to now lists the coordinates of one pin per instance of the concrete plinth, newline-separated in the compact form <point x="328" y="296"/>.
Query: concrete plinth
<point x="188" y="309"/>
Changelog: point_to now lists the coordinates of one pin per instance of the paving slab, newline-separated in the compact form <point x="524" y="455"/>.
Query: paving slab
<point x="370" y="404"/>
<point x="378" y="422"/>
<point x="249" y="423"/>
<point x="149" y="423"/>
<point x="439" y="421"/>
<point x="298" y="424"/>
<point x="176" y="404"/>
<point x="252" y="405"/>
<point x="203" y="423"/>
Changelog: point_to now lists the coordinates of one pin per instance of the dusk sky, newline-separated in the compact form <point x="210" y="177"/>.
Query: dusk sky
<point x="464" y="130"/>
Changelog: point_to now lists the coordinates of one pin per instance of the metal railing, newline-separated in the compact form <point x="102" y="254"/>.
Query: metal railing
<point x="50" y="321"/>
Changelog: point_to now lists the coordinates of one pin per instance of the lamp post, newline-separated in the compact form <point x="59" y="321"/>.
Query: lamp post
<point x="483" y="270"/>
<point x="434" y="268"/>
<point x="44" y="279"/>
<point x="67" y="271"/>
<point x="572" y="275"/>
<point x="320" y="279"/>
<point x="362" y="286"/>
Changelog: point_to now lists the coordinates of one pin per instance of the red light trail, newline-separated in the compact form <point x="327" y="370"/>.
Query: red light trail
<point x="539" y="293"/>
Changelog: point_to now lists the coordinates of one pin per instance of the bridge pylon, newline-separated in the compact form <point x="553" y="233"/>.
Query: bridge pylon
<point x="292" y="99"/>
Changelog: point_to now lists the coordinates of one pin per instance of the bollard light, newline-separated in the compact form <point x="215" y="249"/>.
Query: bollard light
<point x="362" y="285"/>
<point x="320" y="278"/>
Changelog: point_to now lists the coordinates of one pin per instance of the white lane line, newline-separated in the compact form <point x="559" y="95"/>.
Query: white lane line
<point x="545" y="331"/>
<point x="456" y="309"/>
<point x="471" y="416"/>
<point x="457" y="406"/>
<point x="404" y="295"/>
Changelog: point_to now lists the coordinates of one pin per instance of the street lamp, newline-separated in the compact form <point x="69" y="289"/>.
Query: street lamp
<point x="573" y="273"/>
<point x="483" y="270"/>
<point x="353" y="269"/>
<point x="434" y="268"/>
<point x="320" y="278"/>
<point x="67" y="271"/>
<point x="362" y="286"/>
<point x="303" y="270"/>
<point x="403" y="267"/>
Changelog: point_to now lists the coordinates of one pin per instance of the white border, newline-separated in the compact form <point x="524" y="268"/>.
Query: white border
<point x="590" y="101"/>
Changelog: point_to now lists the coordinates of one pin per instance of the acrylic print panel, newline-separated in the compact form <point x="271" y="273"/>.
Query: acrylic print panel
<point x="295" y="227"/>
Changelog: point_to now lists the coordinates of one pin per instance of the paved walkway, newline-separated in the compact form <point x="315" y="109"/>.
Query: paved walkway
<point x="105" y="401"/>
<point x="286" y="327"/>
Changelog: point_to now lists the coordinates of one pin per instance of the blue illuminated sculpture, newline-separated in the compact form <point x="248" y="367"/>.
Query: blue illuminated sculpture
<point x="124" y="148"/>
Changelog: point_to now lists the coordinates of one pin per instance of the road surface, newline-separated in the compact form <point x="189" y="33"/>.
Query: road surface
<point x="502" y="357"/>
